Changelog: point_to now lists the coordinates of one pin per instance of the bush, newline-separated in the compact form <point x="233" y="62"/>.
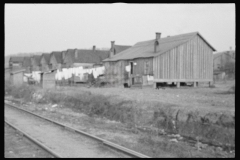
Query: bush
<point x="23" y="91"/>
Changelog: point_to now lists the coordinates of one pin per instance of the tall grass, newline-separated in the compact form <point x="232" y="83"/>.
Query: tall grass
<point x="163" y="117"/>
<point x="23" y="91"/>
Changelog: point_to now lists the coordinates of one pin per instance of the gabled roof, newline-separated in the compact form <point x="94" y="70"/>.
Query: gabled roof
<point x="37" y="59"/>
<point x="64" y="52"/>
<point x="145" y="49"/>
<point x="230" y="53"/>
<point x="16" y="59"/>
<point x="87" y="56"/>
<point x="58" y="56"/>
<point x="26" y="62"/>
<point x="46" y="56"/>
<point x="102" y="54"/>
<point x="120" y="48"/>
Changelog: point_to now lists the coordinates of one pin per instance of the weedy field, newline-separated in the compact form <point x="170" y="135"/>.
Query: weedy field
<point x="203" y="115"/>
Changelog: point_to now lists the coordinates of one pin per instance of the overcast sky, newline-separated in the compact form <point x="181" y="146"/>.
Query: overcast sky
<point x="57" y="27"/>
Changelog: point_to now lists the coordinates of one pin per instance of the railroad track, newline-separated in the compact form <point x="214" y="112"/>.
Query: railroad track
<point x="104" y="142"/>
<point x="35" y="141"/>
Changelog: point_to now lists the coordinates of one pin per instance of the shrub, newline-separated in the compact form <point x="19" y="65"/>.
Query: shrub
<point x="23" y="91"/>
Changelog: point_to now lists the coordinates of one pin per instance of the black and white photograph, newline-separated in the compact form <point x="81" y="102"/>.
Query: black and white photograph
<point x="119" y="80"/>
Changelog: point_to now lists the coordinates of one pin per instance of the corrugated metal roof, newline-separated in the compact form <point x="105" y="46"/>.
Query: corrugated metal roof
<point x="145" y="49"/>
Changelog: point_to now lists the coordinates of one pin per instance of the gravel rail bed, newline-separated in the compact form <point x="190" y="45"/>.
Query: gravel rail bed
<point x="66" y="143"/>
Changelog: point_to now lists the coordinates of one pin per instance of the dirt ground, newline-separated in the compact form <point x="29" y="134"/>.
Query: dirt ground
<point x="120" y="133"/>
<point x="63" y="142"/>
<point x="201" y="98"/>
<point x="17" y="146"/>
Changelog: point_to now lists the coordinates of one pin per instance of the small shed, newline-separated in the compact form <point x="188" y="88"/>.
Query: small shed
<point x="48" y="79"/>
<point x="16" y="77"/>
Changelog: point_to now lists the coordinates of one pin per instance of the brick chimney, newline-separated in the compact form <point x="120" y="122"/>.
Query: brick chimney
<point x="112" y="44"/>
<point x="94" y="48"/>
<point x="156" y="43"/>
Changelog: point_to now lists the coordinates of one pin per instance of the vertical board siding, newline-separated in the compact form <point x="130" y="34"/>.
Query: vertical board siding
<point x="192" y="60"/>
<point x="115" y="71"/>
<point x="185" y="61"/>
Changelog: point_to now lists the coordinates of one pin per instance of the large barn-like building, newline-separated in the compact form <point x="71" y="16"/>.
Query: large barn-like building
<point x="173" y="59"/>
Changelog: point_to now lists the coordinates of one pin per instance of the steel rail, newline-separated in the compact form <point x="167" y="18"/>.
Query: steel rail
<point x="35" y="141"/>
<point x="108" y="143"/>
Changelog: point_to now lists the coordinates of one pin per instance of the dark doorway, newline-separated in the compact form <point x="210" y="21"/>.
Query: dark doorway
<point x="131" y="72"/>
<point x="131" y="64"/>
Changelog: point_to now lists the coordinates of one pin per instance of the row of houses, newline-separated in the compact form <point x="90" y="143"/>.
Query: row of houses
<point x="172" y="59"/>
<point x="65" y="59"/>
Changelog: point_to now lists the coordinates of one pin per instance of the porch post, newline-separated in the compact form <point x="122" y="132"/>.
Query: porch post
<point x="178" y="84"/>
<point x="154" y="85"/>
<point x="194" y="84"/>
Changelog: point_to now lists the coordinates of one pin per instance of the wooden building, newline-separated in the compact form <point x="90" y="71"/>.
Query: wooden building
<point x="16" y="77"/>
<point x="173" y="59"/>
<point x="35" y="63"/>
<point x="44" y="61"/>
<point x="56" y="59"/>
<point x="48" y="80"/>
<point x="224" y="62"/>
<point x="83" y="57"/>
<point x="27" y="64"/>
<point x="15" y="62"/>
